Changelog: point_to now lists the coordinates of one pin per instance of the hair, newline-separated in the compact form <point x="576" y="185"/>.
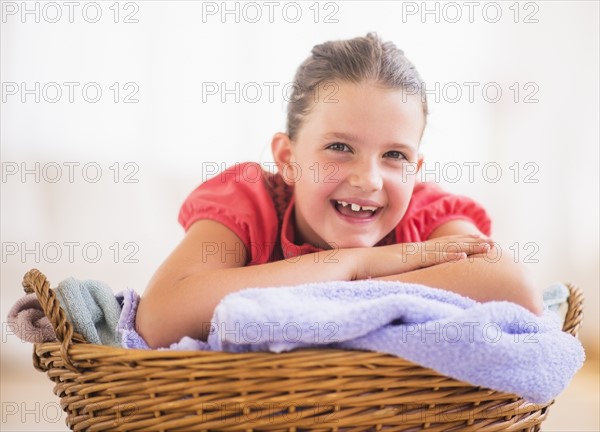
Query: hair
<point x="362" y="59"/>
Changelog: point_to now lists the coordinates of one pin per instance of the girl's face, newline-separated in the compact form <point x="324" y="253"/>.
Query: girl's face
<point x="353" y="164"/>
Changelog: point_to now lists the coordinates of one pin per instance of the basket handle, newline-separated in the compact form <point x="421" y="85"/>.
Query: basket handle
<point x="35" y="281"/>
<point x="575" y="310"/>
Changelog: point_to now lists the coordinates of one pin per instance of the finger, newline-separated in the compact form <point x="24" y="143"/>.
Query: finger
<point x="453" y="256"/>
<point x="476" y="247"/>
<point x="423" y="258"/>
<point x="470" y="246"/>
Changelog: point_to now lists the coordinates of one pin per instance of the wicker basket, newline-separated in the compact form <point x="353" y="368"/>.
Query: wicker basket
<point x="105" y="388"/>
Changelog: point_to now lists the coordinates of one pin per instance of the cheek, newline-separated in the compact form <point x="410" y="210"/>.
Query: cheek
<point x="312" y="195"/>
<point x="399" y="194"/>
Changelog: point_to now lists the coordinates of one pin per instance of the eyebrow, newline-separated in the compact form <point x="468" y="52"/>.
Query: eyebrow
<point x="349" y="137"/>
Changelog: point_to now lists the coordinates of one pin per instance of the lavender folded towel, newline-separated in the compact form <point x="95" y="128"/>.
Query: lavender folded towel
<point x="499" y="345"/>
<point x="26" y="319"/>
<point x="129" y="300"/>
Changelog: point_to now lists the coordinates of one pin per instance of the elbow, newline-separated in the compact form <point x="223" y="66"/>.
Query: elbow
<point x="155" y="325"/>
<point x="526" y="293"/>
<point x="513" y="282"/>
<point x="531" y="299"/>
<point x="147" y="325"/>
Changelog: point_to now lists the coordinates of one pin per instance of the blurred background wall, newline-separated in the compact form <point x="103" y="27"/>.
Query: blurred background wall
<point x="113" y="112"/>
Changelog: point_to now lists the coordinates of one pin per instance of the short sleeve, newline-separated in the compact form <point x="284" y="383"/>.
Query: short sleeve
<point x="431" y="207"/>
<point x="237" y="198"/>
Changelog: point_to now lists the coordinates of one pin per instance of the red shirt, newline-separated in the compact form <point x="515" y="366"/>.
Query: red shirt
<point x="258" y="207"/>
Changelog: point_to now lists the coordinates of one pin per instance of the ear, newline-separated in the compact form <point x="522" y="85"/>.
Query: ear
<point x="283" y="154"/>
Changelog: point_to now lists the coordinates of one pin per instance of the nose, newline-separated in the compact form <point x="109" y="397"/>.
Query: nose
<point x="366" y="176"/>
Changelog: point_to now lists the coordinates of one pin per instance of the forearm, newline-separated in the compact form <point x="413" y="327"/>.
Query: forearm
<point x="185" y="308"/>
<point x="481" y="279"/>
<point x="181" y="298"/>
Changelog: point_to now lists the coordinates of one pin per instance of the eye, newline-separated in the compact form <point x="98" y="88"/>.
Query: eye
<point x="340" y="147"/>
<point x="394" y="154"/>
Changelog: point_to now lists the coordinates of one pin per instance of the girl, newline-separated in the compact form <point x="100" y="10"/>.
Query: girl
<point x="346" y="182"/>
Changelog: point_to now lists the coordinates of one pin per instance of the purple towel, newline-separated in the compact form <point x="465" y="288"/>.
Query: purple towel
<point x="499" y="345"/>
<point x="129" y="300"/>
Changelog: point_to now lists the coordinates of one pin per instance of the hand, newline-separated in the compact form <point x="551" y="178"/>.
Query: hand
<point x="404" y="257"/>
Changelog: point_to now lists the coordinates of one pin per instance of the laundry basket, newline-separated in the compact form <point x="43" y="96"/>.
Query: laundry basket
<point x="103" y="388"/>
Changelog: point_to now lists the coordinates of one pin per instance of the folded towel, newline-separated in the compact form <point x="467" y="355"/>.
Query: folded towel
<point x="499" y="345"/>
<point x="26" y="319"/>
<point x="555" y="295"/>
<point x="92" y="308"/>
<point x="129" y="300"/>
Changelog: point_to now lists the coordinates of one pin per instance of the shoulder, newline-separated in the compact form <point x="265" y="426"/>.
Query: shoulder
<point x="238" y="197"/>
<point x="431" y="207"/>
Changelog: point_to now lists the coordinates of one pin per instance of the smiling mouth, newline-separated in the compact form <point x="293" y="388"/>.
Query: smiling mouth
<point x="354" y="210"/>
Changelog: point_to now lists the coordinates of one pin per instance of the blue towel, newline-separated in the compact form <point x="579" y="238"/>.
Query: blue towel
<point x="92" y="308"/>
<point x="499" y="345"/>
<point x="555" y="295"/>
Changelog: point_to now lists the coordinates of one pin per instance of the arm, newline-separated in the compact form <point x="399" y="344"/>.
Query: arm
<point x="481" y="277"/>
<point x="184" y="292"/>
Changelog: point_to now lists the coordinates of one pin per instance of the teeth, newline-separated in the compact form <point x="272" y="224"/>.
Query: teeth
<point x="356" y="207"/>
